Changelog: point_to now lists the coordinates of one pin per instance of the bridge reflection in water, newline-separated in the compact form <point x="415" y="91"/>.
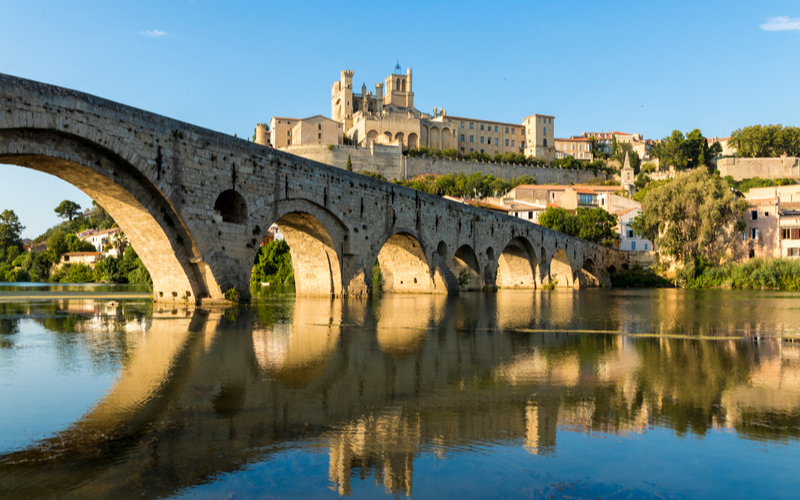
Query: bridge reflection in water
<point x="376" y="384"/>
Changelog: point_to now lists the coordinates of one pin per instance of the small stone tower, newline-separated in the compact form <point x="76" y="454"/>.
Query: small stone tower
<point x="342" y="99"/>
<point x="261" y="134"/>
<point x="627" y="177"/>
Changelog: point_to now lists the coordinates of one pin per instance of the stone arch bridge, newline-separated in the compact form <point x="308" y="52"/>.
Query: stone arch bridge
<point x="196" y="203"/>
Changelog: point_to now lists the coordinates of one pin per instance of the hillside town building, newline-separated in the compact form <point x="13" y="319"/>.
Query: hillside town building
<point x="772" y="223"/>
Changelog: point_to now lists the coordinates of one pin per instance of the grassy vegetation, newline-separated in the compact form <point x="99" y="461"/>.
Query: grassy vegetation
<point x="745" y="185"/>
<point x="755" y="274"/>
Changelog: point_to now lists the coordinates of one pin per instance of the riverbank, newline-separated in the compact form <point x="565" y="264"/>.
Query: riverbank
<point x="17" y="296"/>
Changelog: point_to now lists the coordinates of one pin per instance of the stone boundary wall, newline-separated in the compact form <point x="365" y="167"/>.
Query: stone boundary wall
<point x="543" y="175"/>
<point x="386" y="160"/>
<point x="766" y="168"/>
<point x="644" y="258"/>
<point x="390" y="162"/>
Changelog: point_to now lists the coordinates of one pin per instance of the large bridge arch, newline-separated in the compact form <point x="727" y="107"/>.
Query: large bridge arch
<point x="150" y="221"/>
<point x="316" y="240"/>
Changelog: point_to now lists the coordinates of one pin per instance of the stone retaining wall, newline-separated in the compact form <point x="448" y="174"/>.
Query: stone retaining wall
<point x="766" y="168"/>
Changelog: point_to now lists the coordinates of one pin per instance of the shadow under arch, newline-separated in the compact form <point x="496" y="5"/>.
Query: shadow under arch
<point x="587" y="276"/>
<point x="403" y="264"/>
<point x="515" y="268"/>
<point x="150" y="221"/>
<point x="561" y="269"/>
<point x="466" y="268"/>
<point x="316" y="242"/>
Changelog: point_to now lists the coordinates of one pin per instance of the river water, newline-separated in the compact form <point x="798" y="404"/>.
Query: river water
<point x="516" y="394"/>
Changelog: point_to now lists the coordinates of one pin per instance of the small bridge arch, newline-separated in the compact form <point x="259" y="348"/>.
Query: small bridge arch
<point x="404" y="264"/>
<point x="516" y="267"/>
<point x="316" y="241"/>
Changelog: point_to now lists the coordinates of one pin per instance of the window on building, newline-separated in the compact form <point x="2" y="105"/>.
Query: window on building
<point x="471" y="150"/>
<point x="496" y="141"/>
<point x="506" y="130"/>
<point x="481" y="151"/>
<point x="754" y="215"/>
<point x="766" y="214"/>
<point x="462" y="124"/>
<point x="586" y="199"/>
<point x="630" y="233"/>
<point x="506" y="142"/>
<point x="481" y="139"/>
<point x="753" y="233"/>
<point x="633" y="245"/>
<point x="319" y="136"/>
<point x="512" y="143"/>
<point x="752" y="253"/>
<point x="471" y="126"/>
<point x="646" y="246"/>
<point x="462" y="137"/>
<point x="481" y="126"/>
<point x="472" y="138"/>
<point x="793" y="252"/>
<point x="744" y="236"/>
<point x="545" y="130"/>
<point x="319" y="126"/>
<point x="530" y="215"/>
<point x="495" y="128"/>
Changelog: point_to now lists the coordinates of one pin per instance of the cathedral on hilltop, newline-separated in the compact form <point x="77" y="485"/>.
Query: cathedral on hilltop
<point x="387" y="116"/>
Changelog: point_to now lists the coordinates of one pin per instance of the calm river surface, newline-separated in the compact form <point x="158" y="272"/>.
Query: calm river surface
<point x="517" y="394"/>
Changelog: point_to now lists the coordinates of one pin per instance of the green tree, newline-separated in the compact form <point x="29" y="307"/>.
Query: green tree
<point x="349" y="167"/>
<point x="596" y="225"/>
<point x="10" y="230"/>
<point x="273" y="264"/>
<point x="75" y="244"/>
<point x="68" y="210"/>
<point x="591" y="224"/>
<point x="57" y="246"/>
<point x="691" y="217"/>
<point x="790" y="141"/>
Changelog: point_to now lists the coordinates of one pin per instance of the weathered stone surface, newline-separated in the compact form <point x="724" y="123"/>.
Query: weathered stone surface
<point x="196" y="203"/>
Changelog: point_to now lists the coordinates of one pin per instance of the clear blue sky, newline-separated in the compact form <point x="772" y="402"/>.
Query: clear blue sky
<point x="647" y="67"/>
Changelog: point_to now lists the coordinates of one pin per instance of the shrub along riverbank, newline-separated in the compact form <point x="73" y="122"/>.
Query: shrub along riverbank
<point x="755" y="274"/>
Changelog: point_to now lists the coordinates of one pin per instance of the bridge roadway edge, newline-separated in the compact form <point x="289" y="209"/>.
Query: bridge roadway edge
<point x="340" y="219"/>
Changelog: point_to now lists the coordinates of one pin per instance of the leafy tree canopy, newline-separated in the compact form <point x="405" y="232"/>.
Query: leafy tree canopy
<point x="690" y="217"/>
<point x="591" y="224"/>
<point x="10" y="229"/>
<point x="684" y="152"/>
<point x="68" y="209"/>
<point x="765" y="141"/>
